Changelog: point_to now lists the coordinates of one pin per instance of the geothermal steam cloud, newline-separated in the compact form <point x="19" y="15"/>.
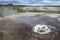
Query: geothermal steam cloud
<point x="42" y="29"/>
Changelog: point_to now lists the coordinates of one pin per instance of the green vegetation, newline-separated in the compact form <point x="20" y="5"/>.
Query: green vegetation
<point x="20" y="9"/>
<point x="46" y="11"/>
<point x="1" y="35"/>
<point x="9" y="8"/>
<point x="36" y="11"/>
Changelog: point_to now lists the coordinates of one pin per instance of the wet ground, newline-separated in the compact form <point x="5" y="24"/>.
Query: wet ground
<point x="20" y="26"/>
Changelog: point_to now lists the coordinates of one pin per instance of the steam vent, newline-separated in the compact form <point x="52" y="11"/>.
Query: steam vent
<point x="29" y="28"/>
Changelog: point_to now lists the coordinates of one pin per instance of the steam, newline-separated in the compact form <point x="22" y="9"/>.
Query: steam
<point x="42" y="29"/>
<point x="6" y="11"/>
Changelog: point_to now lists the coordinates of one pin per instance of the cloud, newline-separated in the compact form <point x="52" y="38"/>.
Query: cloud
<point x="41" y="2"/>
<point x="46" y="1"/>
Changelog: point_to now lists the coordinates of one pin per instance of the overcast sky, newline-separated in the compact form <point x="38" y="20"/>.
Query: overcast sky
<point x="44" y="2"/>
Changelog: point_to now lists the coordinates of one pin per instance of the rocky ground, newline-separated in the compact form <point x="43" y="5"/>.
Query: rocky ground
<point x="20" y="26"/>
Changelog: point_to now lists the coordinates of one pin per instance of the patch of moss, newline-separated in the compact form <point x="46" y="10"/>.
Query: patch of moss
<point x="1" y="35"/>
<point x="36" y="11"/>
<point x="46" y="11"/>
<point x="20" y="10"/>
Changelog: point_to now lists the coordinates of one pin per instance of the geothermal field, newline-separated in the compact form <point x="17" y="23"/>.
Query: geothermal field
<point x="29" y="24"/>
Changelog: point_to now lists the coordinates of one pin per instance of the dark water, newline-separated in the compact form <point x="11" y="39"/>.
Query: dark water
<point x="39" y="20"/>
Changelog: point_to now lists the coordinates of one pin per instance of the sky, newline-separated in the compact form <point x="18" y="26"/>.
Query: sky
<point x="30" y="2"/>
